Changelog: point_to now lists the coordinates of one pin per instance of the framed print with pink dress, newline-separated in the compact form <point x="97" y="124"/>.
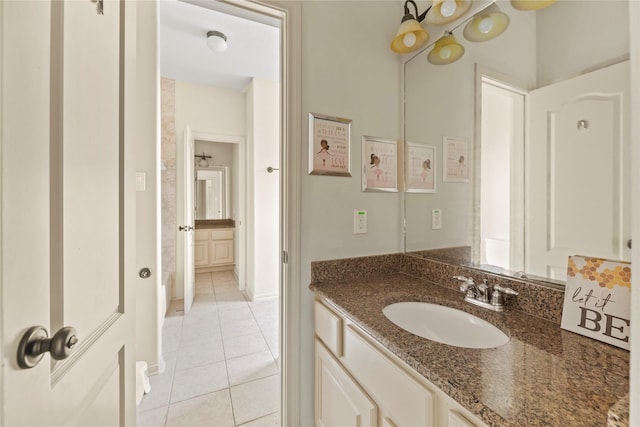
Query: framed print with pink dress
<point x="379" y="164"/>
<point x="329" y="145"/>
<point x="420" y="167"/>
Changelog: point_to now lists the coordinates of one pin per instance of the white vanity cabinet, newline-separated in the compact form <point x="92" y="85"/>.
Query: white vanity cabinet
<point x="351" y="364"/>
<point x="339" y="399"/>
<point x="213" y="249"/>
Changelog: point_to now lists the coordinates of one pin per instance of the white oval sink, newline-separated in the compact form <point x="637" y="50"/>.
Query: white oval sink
<point x="445" y="325"/>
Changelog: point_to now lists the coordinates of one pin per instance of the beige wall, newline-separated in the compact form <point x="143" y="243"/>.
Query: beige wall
<point x="149" y="315"/>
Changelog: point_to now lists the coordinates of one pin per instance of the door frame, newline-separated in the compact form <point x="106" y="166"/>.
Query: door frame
<point x="634" y="140"/>
<point x="240" y="232"/>
<point x="482" y="73"/>
<point x="290" y="16"/>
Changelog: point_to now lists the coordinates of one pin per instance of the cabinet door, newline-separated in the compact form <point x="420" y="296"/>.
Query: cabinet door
<point x="201" y="253"/>
<point x="402" y="399"/>
<point x="339" y="399"/>
<point x="221" y="252"/>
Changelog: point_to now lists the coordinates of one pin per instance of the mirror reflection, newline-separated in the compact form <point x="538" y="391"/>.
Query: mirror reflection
<point x="544" y="109"/>
<point x="212" y="193"/>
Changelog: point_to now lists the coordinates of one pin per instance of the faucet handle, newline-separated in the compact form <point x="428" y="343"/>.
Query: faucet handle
<point x="505" y="290"/>
<point x="467" y="286"/>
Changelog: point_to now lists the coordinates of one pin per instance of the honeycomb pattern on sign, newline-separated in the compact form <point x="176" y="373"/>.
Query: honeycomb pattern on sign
<point x="607" y="273"/>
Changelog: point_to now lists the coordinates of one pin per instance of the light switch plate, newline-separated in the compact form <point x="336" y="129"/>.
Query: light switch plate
<point x="359" y="222"/>
<point x="141" y="181"/>
<point x="436" y="219"/>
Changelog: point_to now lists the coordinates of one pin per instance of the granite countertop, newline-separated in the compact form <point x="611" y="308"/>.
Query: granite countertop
<point x="544" y="376"/>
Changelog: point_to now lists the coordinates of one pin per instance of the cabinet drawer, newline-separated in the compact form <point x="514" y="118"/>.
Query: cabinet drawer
<point x="223" y="234"/>
<point x="201" y="235"/>
<point x="328" y="328"/>
<point x="403" y="400"/>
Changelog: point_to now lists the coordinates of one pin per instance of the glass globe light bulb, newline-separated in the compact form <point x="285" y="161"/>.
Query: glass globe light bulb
<point x="485" y="25"/>
<point x="448" y="7"/>
<point x="409" y="39"/>
<point x="445" y="52"/>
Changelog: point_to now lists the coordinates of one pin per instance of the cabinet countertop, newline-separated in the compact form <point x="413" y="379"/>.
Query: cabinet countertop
<point x="205" y="224"/>
<point x="544" y="376"/>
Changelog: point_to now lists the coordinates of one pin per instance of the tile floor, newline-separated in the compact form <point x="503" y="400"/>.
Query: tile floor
<point x="222" y="361"/>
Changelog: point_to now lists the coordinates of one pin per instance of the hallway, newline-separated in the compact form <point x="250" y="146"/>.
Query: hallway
<point x="222" y="361"/>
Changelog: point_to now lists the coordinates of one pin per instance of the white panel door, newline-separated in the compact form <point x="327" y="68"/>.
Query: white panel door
<point x="68" y="197"/>
<point x="578" y="167"/>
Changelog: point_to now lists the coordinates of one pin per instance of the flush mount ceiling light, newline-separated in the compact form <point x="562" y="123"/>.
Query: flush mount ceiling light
<point x="445" y="11"/>
<point x="531" y="4"/>
<point x="486" y="25"/>
<point x="411" y="35"/>
<point x="216" y="41"/>
<point x="446" y="50"/>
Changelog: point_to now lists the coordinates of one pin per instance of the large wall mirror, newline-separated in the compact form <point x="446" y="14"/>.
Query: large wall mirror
<point x="212" y="193"/>
<point x="544" y="108"/>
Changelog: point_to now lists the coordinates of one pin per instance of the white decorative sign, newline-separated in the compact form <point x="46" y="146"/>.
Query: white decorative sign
<point x="597" y="299"/>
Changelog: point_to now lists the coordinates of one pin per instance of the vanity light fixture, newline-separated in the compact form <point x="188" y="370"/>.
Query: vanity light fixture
<point x="531" y="4"/>
<point x="411" y="35"/>
<point x="216" y="41"/>
<point x="446" y="50"/>
<point x="444" y="11"/>
<point x="486" y="25"/>
<point x="203" y="163"/>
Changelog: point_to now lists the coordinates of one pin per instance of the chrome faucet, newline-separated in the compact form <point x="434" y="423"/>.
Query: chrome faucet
<point x="479" y="294"/>
<point x="467" y="286"/>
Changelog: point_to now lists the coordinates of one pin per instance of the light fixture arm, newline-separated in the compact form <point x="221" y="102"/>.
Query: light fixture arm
<point x="408" y="15"/>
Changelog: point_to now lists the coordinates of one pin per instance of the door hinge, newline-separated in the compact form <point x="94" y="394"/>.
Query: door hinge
<point x="285" y="257"/>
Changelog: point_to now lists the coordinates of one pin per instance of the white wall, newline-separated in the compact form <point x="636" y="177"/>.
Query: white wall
<point x="148" y="297"/>
<point x="348" y="70"/>
<point x="575" y="37"/>
<point x="263" y="150"/>
<point x="205" y="109"/>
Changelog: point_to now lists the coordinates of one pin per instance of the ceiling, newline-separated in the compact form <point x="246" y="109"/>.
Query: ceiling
<point x="253" y="44"/>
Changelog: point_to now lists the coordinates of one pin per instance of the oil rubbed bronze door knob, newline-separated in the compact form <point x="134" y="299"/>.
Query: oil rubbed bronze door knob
<point x="36" y="342"/>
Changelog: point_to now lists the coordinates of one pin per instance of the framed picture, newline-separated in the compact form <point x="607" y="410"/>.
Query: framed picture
<point x="329" y="141"/>
<point x="420" y="167"/>
<point x="455" y="156"/>
<point x="379" y="164"/>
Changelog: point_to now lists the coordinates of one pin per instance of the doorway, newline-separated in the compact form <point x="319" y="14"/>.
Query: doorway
<point x="499" y="230"/>
<point x="260" y="175"/>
